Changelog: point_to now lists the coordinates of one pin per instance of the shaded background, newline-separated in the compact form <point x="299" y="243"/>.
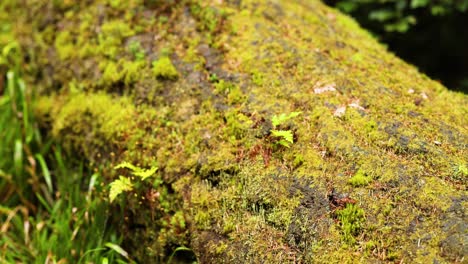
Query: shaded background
<point x="433" y="35"/>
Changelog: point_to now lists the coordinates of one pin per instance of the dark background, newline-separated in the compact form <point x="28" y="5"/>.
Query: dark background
<point x="437" y="45"/>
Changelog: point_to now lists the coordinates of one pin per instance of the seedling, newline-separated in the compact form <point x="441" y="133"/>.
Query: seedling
<point x="285" y="137"/>
<point x="125" y="184"/>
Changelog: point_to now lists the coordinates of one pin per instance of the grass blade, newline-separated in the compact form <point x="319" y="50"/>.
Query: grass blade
<point x="45" y="172"/>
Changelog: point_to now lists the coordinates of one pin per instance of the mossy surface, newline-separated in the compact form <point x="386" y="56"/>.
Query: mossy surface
<point x="376" y="171"/>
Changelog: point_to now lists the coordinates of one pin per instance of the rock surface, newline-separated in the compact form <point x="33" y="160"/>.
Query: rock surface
<point x="282" y="131"/>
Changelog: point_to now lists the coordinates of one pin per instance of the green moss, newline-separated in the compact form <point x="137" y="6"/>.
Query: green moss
<point x="111" y="73"/>
<point x="132" y="71"/>
<point x="435" y="194"/>
<point x="461" y="171"/>
<point x="209" y="18"/>
<point x="112" y="35"/>
<point x="237" y="124"/>
<point x="164" y="69"/>
<point x="360" y="179"/>
<point x="136" y="50"/>
<point x="117" y="29"/>
<point x="257" y="78"/>
<point x="64" y="45"/>
<point x="99" y="116"/>
<point x="220" y="176"/>
<point x="124" y="71"/>
<point x="351" y="222"/>
<point x="232" y="92"/>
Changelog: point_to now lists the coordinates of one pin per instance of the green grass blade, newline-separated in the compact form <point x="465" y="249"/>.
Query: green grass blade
<point x="45" y="172"/>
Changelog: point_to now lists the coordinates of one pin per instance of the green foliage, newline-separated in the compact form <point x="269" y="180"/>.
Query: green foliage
<point x="124" y="184"/>
<point x="139" y="172"/>
<point x="400" y="15"/>
<point x="461" y="172"/>
<point x="286" y="137"/>
<point x="124" y="71"/>
<point x="119" y="186"/>
<point x="360" y="179"/>
<point x="209" y="17"/>
<point x="164" y="69"/>
<point x="277" y="120"/>
<point x="46" y="216"/>
<point x="136" y="50"/>
<point x="351" y="222"/>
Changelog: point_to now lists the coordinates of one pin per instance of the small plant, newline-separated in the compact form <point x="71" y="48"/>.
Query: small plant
<point x="213" y="78"/>
<point x="125" y="184"/>
<point x="137" y="51"/>
<point x="461" y="171"/>
<point x="285" y="137"/>
<point x="278" y="120"/>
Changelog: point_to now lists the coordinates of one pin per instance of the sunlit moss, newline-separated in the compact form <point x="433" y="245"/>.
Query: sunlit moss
<point x="164" y="69"/>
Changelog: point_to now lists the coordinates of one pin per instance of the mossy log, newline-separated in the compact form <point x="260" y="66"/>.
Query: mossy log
<point x="282" y="131"/>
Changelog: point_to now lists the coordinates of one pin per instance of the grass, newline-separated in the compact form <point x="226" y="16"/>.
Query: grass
<point x="51" y="207"/>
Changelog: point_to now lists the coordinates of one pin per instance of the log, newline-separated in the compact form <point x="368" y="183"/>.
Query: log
<point x="282" y="132"/>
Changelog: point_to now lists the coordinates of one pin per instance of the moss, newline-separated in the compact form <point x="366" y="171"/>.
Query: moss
<point x="164" y="69"/>
<point x="111" y="74"/>
<point x="126" y="72"/>
<point x="351" y="222"/>
<point x="101" y="117"/>
<point x="402" y="136"/>
<point x="360" y="178"/>
<point x="136" y="50"/>
<point x="111" y="38"/>
<point x="64" y="45"/>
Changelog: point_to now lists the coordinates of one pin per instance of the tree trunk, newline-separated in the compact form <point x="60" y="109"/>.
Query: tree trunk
<point x="281" y="130"/>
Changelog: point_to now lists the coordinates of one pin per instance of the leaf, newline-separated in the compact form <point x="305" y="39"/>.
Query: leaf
<point x="117" y="249"/>
<point x="381" y="15"/>
<point x="137" y="171"/>
<point x="123" y="184"/>
<point x="127" y="165"/>
<point x="285" y="135"/>
<point x="281" y="119"/>
<point x="143" y="174"/>
<point x="419" y="3"/>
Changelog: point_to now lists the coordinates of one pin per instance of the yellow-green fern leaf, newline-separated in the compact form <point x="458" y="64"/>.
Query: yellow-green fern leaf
<point x="123" y="184"/>
<point x="143" y="174"/>
<point x="127" y="165"/>
<point x="137" y="171"/>
<point x="277" y="120"/>
<point x="286" y="137"/>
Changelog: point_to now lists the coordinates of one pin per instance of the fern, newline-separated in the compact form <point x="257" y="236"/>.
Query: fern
<point x="277" y="120"/>
<point x="286" y="137"/>
<point x="137" y="171"/>
<point x="123" y="184"/>
<point x="127" y="165"/>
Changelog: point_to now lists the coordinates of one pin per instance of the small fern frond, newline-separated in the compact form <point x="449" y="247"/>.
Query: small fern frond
<point x="143" y="174"/>
<point x="277" y="120"/>
<point x="127" y="165"/>
<point x="119" y="186"/>
<point x="286" y="137"/>
<point x="137" y="171"/>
